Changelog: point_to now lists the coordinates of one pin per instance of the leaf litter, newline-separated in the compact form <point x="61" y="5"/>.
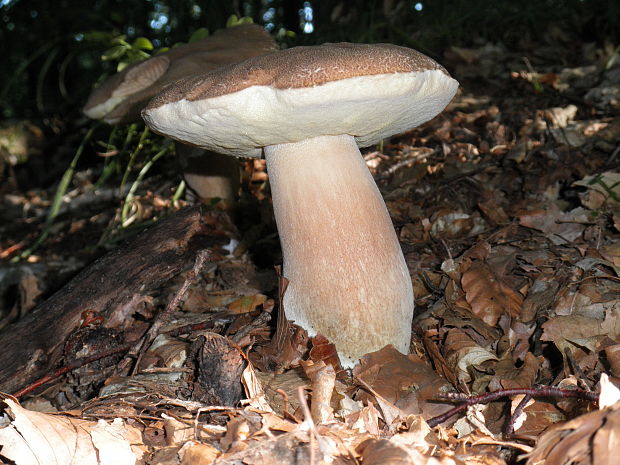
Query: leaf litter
<point x="507" y="209"/>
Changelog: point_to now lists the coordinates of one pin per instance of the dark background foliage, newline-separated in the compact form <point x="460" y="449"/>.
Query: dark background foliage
<point x="52" y="49"/>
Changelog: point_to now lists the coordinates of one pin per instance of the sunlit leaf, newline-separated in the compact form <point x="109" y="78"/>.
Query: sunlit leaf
<point x="143" y="43"/>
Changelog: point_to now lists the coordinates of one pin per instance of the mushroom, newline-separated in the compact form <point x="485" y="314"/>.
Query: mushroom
<point x="121" y="98"/>
<point x="308" y="109"/>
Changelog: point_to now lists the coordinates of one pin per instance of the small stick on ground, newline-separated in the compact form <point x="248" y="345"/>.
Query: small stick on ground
<point x="509" y="428"/>
<point x="69" y="367"/>
<point x="165" y="316"/>
<point x="466" y="401"/>
<point x="308" y="419"/>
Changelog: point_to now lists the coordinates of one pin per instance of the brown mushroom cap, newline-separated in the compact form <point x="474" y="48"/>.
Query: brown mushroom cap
<point x="367" y="91"/>
<point x="122" y="96"/>
<point x="309" y="108"/>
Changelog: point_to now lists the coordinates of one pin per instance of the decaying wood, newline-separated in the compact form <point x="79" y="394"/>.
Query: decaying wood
<point x="111" y="286"/>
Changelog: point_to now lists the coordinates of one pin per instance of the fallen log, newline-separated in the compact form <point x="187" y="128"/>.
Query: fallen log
<point x="112" y="286"/>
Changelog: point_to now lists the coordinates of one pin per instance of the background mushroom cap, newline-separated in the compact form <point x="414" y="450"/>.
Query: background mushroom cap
<point x="123" y="95"/>
<point x="369" y="91"/>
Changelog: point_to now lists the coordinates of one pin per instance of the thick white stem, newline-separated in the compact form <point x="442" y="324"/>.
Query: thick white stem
<point x="348" y="277"/>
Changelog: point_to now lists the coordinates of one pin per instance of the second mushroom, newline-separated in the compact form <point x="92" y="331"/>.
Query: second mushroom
<point x="308" y="109"/>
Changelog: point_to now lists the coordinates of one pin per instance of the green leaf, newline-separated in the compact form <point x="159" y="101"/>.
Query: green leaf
<point x="114" y="53"/>
<point x="120" y="40"/>
<point x="143" y="43"/>
<point x="199" y="34"/>
<point x="285" y="34"/>
<point x="232" y="21"/>
<point x="98" y="36"/>
<point x="134" y="55"/>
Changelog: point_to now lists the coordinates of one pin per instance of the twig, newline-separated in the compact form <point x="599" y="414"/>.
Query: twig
<point x="285" y="404"/>
<point x="70" y="367"/>
<point x="308" y="419"/>
<point x="466" y="401"/>
<point x="509" y="427"/>
<point x="402" y="163"/>
<point x="215" y="319"/>
<point x="165" y="316"/>
<point x="210" y="408"/>
<point x="260" y="321"/>
<point x="576" y="368"/>
<point x="613" y="156"/>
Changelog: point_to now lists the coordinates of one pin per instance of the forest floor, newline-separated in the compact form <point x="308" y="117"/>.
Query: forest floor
<point x="507" y="206"/>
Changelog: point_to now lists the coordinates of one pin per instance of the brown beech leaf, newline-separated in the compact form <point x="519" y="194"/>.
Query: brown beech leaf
<point x="508" y="376"/>
<point x="254" y="389"/>
<point x="488" y="296"/>
<point x="324" y="351"/>
<point x="582" y="330"/>
<point x="247" y="303"/>
<point x="383" y="452"/>
<point x="463" y="353"/>
<point x="405" y="381"/>
<point x="280" y="390"/>
<point x="560" y="227"/>
<point x="537" y="417"/>
<point x="604" y="189"/>
<point x="492" y="212"/>
<point x="323" y="378"/>
<point x="590" y="439"/>
<point x="194" y="452"/>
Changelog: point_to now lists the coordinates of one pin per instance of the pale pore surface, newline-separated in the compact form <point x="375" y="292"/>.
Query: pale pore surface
<point x="370" y="108"/>
<point x="348" y="277"/>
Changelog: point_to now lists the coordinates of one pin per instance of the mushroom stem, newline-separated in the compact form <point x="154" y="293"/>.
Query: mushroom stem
<point x="210" y="175"/>
<point x="348" y="279"/>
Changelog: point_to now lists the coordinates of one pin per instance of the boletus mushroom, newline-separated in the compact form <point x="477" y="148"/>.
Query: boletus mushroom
<point x="308" y="109"/>
<point x="121" y="98"/>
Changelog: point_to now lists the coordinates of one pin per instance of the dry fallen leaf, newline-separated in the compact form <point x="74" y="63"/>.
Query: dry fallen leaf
<point x="31" y="437"/>
<point x="463" y="354"/>
<point x="560" y="227"/>
<point x="603" y="190"/>
<point x="590" y="439"/>
<point x="488" y="296"/>
<point x="254" y="389"/>
<point x="246" y="303"/>
<point x="196" y="453"/>
<point x="323" y="379"/>
<point x="404" y="384"/>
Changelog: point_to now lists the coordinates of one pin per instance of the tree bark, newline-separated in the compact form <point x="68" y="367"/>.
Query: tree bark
<point x="111" y="286"/>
